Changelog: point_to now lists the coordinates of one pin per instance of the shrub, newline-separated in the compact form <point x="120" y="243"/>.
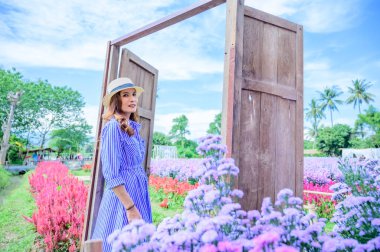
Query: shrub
<point x="213" y="221"/>
<point x="358" y="210"/>
<point x="61" y="203"/>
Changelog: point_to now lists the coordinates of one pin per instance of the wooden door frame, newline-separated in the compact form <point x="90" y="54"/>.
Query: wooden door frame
<point x="110" y="73"/>
<point x="232" y="85"/>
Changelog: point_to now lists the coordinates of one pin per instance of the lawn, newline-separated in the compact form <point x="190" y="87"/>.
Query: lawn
<point x="16" y="234"/>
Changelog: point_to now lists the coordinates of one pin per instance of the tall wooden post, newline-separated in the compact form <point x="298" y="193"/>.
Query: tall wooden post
<point x="13" y="98"/>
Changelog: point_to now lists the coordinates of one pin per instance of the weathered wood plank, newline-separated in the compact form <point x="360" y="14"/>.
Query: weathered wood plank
<point x="93" y="246"/>
<point x="271" y="19"/>
<point x="97" y="181"/>
<point x="271" y="88"/>
<point x="299" y="113"/>
<point x="174" y="18"/>
<point x="232" y="70"/>
<point x="270" y="53"/>
<point x="249" y="175"/>
<point x="252" y="44"/>
<point x="285" y="149"/>
<point x="286" y="58"/>
<point x="146" y="76"/>
<point x="267" y="161"/>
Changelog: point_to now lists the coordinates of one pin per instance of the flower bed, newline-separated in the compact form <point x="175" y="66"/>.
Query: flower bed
<point x="170" y="191"/>
<point x="61" y="204"/>
<point x="213" y="221"/>
<point x="180" y="169"/>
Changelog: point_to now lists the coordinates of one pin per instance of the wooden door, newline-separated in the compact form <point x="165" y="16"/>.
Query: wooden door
<point x="263" y="102"/>
<point x="144" y="75"/>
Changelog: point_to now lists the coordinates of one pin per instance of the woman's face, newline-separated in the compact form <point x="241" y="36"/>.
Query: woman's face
<point x="128" y="101"/>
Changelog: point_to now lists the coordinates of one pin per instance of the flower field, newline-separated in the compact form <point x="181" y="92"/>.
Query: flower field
<point x="345" y="194"/>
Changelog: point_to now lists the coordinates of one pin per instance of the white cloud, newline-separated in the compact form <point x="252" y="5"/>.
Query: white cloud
<point x="323" y="16"/>
<point x="199" y="121"/>
<point x="90" y="113"/>
<point x="319" y="74"/>
<point x="73" y="34"/>
<point x="275" y="7"/>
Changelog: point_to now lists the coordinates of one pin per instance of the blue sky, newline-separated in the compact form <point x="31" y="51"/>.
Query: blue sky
<point x="64" y="42"/>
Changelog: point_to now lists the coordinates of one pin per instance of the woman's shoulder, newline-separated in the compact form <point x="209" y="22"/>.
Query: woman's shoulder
<point x="111" y="125"/>
<point x="135" y="124"/>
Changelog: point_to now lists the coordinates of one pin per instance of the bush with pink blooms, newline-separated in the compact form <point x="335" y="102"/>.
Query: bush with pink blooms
<point x="61" y="203"/>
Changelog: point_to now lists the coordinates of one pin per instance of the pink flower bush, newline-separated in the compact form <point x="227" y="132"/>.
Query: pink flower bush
<point x="61" y="203"/>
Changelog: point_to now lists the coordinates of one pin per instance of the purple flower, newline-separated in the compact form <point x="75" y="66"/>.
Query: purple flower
<point x="208" y="248"/>
<point x="211" y="196"/>
<point x="209" y="236"/>
<point x="375" y="222"/>
<point x="262" y="241"/>
<point x="286" y="249"/>
<point x="237" y="193"/>
<point x="284" y="194"/>
<point x="253" y="215"/>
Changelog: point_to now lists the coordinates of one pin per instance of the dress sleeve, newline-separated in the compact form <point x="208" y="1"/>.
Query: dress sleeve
<point x="111" y="155"/>
<point x="142" y="147"/>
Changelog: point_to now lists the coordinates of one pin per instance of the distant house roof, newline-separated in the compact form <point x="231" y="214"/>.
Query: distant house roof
<point x="40" y="149"/>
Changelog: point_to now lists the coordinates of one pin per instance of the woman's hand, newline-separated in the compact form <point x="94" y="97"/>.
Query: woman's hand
<point x="133" y="214"/>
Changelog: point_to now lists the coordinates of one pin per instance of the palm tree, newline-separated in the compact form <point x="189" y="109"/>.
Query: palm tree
<point x="329" y="99"/>
<point x="359" y="93"/>
<point x="314" y="114"/>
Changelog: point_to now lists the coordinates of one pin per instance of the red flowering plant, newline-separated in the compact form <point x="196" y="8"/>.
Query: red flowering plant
<point x="61" y="203"/>
<point x="87" y="167"/>
<point x="170" y="191"/>
<point x="320" y="197"/>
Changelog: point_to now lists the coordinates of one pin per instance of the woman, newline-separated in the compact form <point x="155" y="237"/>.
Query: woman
<point x="126" y="196"/>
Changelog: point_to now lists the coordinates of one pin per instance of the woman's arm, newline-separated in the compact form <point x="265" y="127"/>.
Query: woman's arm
<point x="132" y="211"/>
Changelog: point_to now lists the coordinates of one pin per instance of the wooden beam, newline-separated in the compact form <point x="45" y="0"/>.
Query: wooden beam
<point x="145" y="113"/>
<point x="93" y="246"/>
<point x="282" y="91"/>
<point x="268" y="18"/>
<point x="233" y="57"/>
<point x="87" y="229"/>
<point x="174" y="18"/>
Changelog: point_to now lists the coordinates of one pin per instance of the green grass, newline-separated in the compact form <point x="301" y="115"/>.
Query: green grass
<point x="159" y="213"/>
<point x="329" y="227"/>
<point x="81" y="172"/>
<point x="4" y="178"/>
<point x="16" y="234"/>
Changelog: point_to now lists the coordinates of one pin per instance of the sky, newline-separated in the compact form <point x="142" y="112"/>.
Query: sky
<point x="64" y="42"/>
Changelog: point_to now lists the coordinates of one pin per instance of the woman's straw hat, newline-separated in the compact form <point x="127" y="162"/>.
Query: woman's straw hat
<point x="118" y="85"/>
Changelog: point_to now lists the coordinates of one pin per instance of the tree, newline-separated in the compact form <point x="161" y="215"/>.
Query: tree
<point x="179" y="129"/>
<point x="331" y="139"/>
<point x="359" y="93"/>
<point x="215" y="127"/>
<point x="161" y="139"/>
<point x="70" y="138"/>
<point x="314" y="114"/>
<point x="329" y="99"/>
<point x="10" y="81"/>
<point x="187" y="149"/>
<point x="42" y="107"/>
<point x="370" y="121"/>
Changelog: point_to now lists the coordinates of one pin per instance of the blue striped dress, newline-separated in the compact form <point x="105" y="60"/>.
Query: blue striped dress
<point x="121" y="157"/>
